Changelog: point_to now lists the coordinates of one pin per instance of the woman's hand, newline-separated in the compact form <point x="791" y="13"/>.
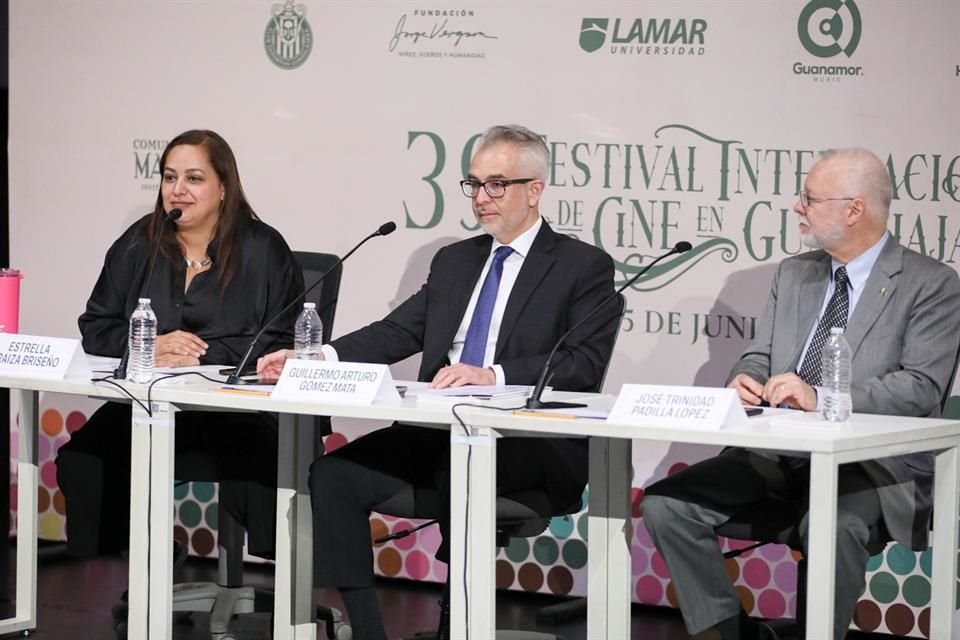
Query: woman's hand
<point x="180" y="343"/>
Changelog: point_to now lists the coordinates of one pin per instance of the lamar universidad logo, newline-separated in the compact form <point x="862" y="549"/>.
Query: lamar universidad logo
<point x="645" y="36"/>
<point x="826" y="29"/>
<point x="288" y="38"/>
<point x="593" y="32"/>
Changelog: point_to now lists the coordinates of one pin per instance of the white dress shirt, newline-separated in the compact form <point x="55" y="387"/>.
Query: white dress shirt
<point x="511" y="269"/>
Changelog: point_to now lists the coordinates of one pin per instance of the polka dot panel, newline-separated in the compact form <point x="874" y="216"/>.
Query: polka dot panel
<point x="545" y="550"/>
<point x="900" y="559"/>
<point x="561" y="527"/>
<point x="530" y="577"/>
<point x="560" y="581"/>
<point x="771" y="604"/>
<point x="505" y="574"/>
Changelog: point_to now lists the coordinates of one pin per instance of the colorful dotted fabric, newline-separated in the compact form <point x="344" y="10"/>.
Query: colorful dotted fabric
<point x="897" y="599"/>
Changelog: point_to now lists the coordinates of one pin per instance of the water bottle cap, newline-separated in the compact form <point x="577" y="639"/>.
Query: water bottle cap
<point x="143" y="300"/>
<point x="836" y="331"/>
<point x="309" y="305"/>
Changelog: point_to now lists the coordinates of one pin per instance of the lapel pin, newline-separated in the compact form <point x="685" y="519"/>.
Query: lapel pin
<point x="883" y="291"/>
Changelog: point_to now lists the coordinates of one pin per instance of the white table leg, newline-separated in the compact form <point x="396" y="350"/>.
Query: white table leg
<point x="943" y="588"/>
<point x="161" y="521"/>
<point x="294" y="608"/>
<point x="609" y="532"/>
<point x="25" y="617"/>
<point x="138" y="583"/>
<point x="473" y="515"/>
<point x="822" y="559"/>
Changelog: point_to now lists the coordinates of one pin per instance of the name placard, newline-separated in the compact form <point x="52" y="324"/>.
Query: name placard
<point x="42" y="357"/>
<point x="341" y="382"/>
<point x="672" y="406"/>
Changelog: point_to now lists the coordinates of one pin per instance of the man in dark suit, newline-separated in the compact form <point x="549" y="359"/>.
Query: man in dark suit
<point x="490" y="312"/>
<point x="899" y="312"/>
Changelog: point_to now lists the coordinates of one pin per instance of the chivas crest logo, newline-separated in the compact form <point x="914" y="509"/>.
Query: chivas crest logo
<point x="288" y="38"/>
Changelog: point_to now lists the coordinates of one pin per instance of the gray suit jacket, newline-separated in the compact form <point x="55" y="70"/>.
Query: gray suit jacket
<point x="904" y="334"/>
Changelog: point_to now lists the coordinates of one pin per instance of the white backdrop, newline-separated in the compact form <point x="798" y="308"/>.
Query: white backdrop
<point x="670" y="121"/>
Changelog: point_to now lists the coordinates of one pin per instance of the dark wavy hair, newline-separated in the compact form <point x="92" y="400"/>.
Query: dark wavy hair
<point x="234" y="211"/>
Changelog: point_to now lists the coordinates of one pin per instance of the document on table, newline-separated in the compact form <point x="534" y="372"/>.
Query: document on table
<point x="470" y="391"/>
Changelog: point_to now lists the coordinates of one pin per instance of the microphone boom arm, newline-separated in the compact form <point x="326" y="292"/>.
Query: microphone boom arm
<point x="234" y="378"/>
<point x="534" y="401"/>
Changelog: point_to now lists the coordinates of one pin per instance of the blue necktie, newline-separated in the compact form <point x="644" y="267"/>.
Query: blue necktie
<point x="475" y="344"/>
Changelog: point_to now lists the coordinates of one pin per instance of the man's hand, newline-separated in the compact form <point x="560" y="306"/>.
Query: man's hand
<point x="790" y="389"/>
<point x="270" y="365"/>
<point x="172" y="360"/>
<point x="457" y="375"/>
<point x="749" y="390"/>
<point x="180" y="343"/>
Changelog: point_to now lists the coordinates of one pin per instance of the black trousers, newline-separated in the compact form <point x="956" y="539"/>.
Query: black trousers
<point x="346" y="485"/>
<point x="239" y="450"/>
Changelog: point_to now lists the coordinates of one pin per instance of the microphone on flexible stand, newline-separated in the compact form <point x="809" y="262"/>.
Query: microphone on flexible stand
<point x="234" y="378"/>
<point x="534" y="401"/>
<point x="174" y="214"/>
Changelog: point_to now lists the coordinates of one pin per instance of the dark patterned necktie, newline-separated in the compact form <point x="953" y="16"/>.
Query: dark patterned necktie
<point x="835" y="315"/>
<point x="475" y="344"/>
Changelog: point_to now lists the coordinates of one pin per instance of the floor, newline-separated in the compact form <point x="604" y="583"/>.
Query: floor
<point x="75" y="600"/>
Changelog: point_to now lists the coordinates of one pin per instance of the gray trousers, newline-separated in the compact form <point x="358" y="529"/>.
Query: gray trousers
<point x="682" y="511"/>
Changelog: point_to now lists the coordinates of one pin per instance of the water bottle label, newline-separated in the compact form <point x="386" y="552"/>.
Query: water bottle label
<point x="42" y="357"/>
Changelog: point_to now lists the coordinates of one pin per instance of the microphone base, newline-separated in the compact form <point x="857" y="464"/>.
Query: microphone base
<point x="237" y="380"/>
<point x="533" y="405"/>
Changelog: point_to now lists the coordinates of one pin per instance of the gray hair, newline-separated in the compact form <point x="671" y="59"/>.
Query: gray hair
<point x="865" y="176"/>
<point x="534" y="150"/>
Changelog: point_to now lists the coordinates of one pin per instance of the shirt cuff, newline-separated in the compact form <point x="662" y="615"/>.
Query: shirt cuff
<point x="821" y="393"/>
<point x="329" y="353"/>
<point x="498" y="372"/>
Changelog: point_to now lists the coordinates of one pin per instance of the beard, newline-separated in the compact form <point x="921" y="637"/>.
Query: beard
<point x="823" y="240"/>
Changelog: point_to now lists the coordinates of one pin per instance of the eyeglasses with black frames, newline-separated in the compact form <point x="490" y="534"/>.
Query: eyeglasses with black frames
<point x="494" y="188"/>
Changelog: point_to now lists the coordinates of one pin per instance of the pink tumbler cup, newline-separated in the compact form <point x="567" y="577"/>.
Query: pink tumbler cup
<point x="9" y="300"/>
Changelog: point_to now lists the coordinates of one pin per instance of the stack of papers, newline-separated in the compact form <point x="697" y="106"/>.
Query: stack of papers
<point x="471" y="392"/>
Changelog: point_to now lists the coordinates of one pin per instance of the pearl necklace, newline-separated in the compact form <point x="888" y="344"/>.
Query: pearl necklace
<point x="198" y="264"/>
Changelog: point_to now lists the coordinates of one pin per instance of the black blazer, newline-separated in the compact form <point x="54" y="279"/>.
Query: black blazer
<point x="562" y="279"/>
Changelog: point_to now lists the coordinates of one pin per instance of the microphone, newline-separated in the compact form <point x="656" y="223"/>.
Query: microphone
<point x="174" y="214"/>
<point x="534" y="401"/>
<point x="234" y="378"/>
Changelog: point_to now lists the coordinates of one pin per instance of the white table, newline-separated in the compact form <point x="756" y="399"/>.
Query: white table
<point x="150" y="600"/>
<point x="294" y="607"/>
<point x="864" y="437"/>
<point x="26" y="392"/>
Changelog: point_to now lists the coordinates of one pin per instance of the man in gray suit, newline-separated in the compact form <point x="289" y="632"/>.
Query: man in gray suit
<point x="899" y="309"/>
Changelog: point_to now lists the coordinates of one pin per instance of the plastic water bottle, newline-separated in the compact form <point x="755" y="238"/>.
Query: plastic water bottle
<point x="143" y="343"/>
<point x="835" y="377"/>
<point x="308" y="333"/>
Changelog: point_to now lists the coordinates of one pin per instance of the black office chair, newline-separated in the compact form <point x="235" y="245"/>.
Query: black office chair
<point x="228" y="597"/>
<point x="523" y="514"/>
